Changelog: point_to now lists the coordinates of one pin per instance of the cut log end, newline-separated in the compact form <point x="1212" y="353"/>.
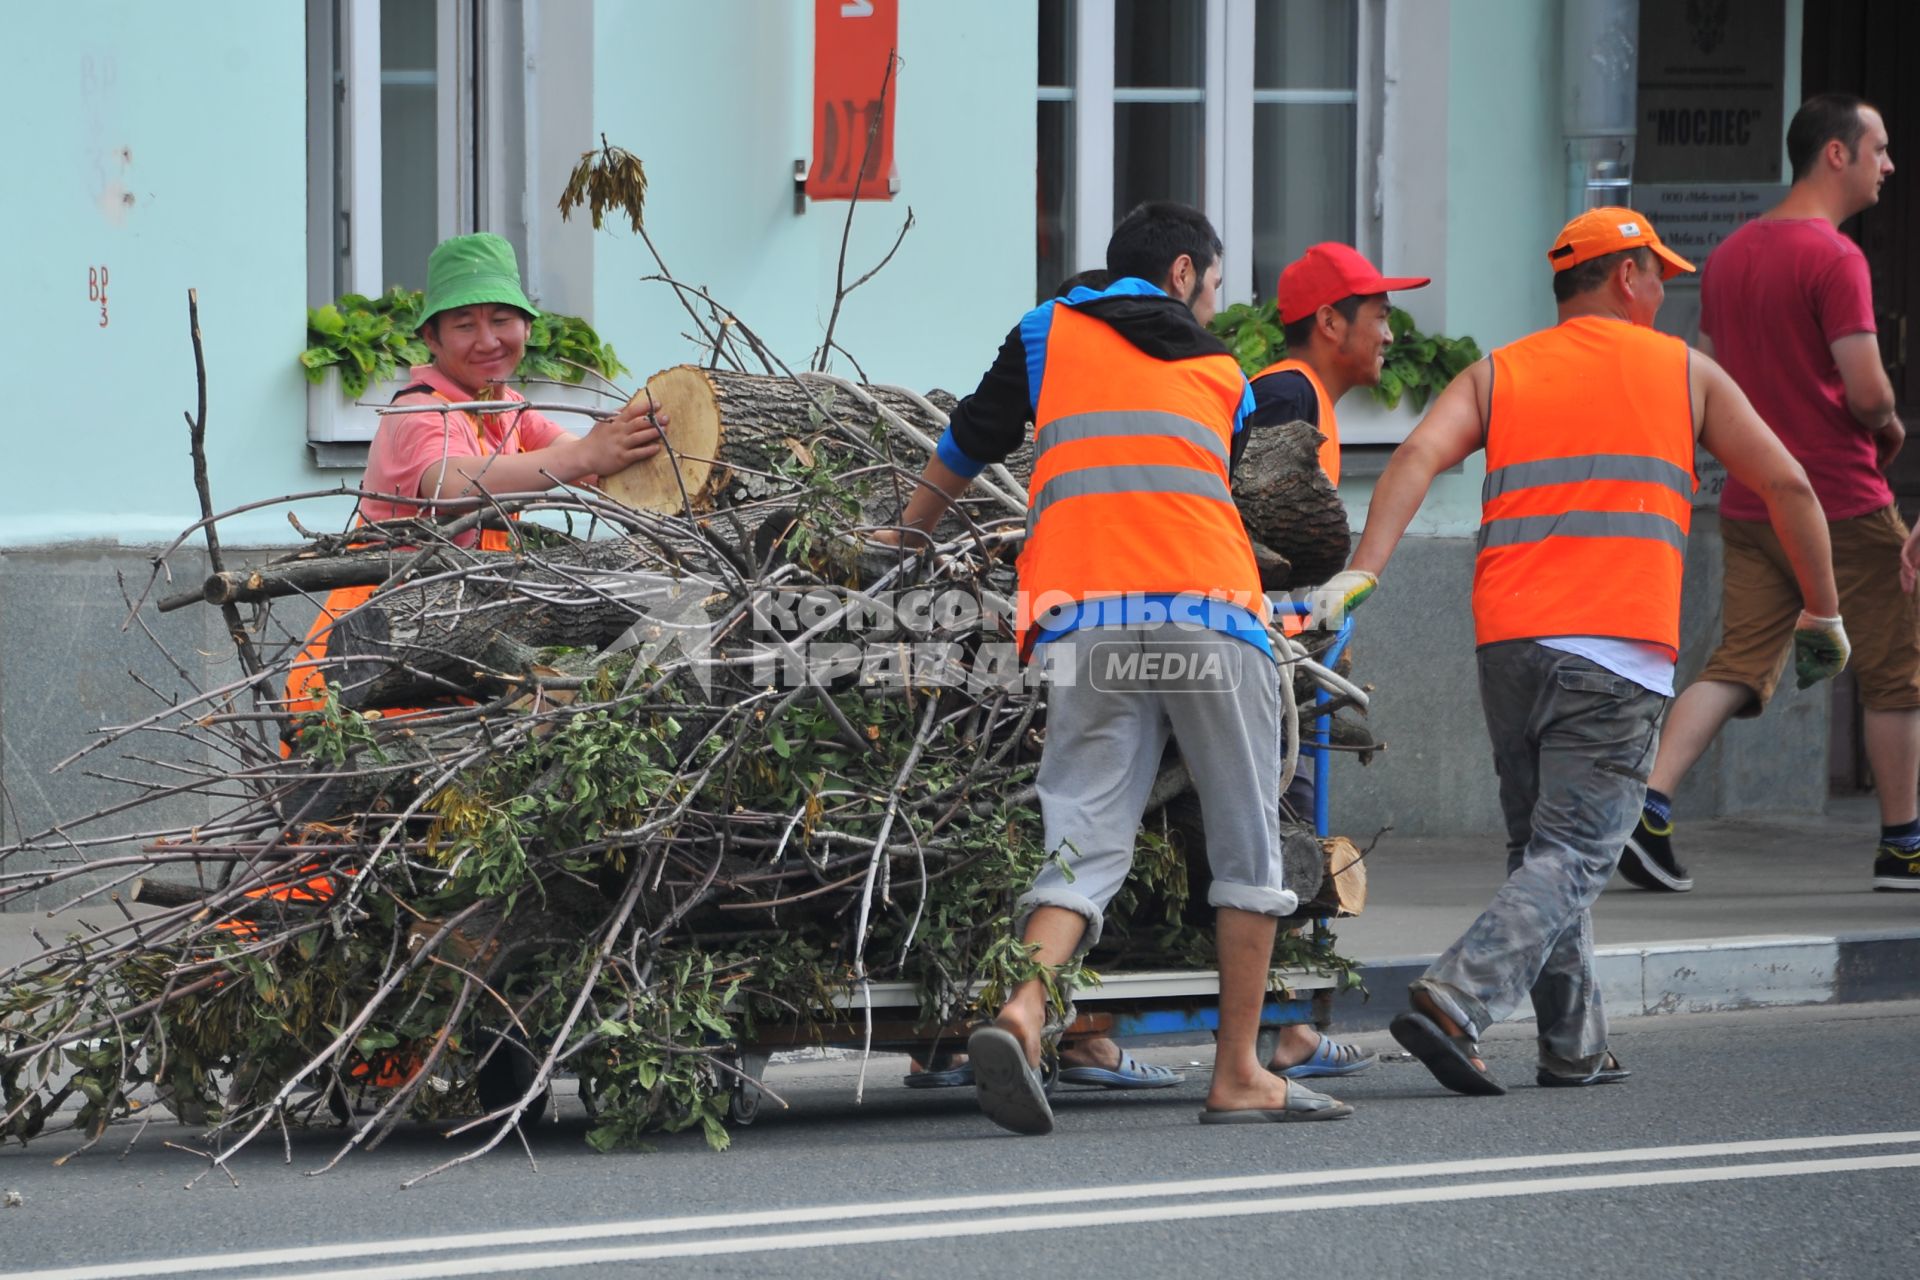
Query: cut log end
<point x="686" y="475"/>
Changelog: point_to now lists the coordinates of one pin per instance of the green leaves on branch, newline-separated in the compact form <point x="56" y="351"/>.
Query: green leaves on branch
<point x="373" y="340"/>
<point x="1418" y="364"/>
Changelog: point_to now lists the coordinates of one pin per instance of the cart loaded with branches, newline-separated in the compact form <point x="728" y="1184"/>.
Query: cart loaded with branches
<point x="695" y="770"/>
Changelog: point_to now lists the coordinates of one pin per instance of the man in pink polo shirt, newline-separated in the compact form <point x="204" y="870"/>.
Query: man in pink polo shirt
<point x="1787" y="308"/>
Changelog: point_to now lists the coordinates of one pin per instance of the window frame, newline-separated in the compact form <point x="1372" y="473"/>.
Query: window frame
<point x="1229" y="97"/>
<point x="484" y="157"/>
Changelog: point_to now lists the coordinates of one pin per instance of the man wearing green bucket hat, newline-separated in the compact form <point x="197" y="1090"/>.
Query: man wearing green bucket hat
<point x="475" y="323"/>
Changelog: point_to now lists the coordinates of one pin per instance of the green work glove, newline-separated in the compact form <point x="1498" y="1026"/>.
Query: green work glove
<point x="1341" y="594"/>
<point x="1820" y="649"/>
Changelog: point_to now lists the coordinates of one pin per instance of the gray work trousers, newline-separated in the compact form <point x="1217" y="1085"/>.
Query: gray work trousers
<point x="1572" y="744"/>
<point x="1107" y="724"/>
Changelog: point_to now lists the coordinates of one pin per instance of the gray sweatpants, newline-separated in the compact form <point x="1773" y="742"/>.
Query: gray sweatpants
<point x="1572" y="743"/>
<point x="1120" y="691"/>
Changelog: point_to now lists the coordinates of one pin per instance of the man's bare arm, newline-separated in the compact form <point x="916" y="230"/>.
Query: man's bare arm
<point x="939" y="486"/>
<point x="1453" y="428"/>
<point x="1869" y="392"/>
<point x="1731" y="431"/>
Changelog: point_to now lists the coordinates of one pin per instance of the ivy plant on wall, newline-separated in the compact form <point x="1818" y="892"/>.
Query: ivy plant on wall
<point x="372" y="340"/>
<point x="1418" y="364"/>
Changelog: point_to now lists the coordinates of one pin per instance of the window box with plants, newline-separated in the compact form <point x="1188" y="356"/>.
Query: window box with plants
<point x="360" y="349"/>
<point x="1418" y="366"/>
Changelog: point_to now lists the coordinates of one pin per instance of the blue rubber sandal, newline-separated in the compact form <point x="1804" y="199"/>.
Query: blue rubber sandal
<point x="960" y="1077"/>
<point x="1331" y="1058"/>
<point x="1130" y="1074"/>
<point x="952" y="1076"/>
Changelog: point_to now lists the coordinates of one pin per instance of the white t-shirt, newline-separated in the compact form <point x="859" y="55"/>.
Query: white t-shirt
<point x="1647" y="665"/>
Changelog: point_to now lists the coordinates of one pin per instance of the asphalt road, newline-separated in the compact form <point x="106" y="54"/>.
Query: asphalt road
<point x="1755" y="1144"/>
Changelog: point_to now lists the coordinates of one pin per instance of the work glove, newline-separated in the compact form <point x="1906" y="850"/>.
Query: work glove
<point x="1820" y="649"/>
<point x="1330" y="603"/>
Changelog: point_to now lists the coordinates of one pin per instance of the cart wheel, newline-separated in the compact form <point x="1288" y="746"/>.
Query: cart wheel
<point x="743" y="1106"/>
<point x="503" y="1078"/>
<point x="1049" y="1068"/>
<point x="1266" y="1044"/>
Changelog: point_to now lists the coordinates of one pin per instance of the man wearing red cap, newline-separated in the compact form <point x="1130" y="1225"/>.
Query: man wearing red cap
<point x="1333" y="310"/>
<point x="1589" y="429"/>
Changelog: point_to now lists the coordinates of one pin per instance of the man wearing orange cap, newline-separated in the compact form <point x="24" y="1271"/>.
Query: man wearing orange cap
<point x="1333" y="311"/>
<point x="1589" y="429"/>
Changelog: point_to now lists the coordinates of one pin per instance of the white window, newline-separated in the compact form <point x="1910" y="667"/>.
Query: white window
<point x="432" y="118"/>
<point x="415" y="111"/>
<point x="1249" y="109"/>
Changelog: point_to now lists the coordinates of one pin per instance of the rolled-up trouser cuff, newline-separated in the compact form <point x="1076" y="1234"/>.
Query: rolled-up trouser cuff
<point x="1255" y="898"/>
<point x="1049" y="896"/>
<point x="1559" y="1066"/>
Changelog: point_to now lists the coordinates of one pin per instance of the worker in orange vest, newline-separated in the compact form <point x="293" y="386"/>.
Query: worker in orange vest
<point x="1589" y="429"/>
<point x="475" y="322"/>
<point x="1140" y="596"/>
<point x="1333" y="312"/>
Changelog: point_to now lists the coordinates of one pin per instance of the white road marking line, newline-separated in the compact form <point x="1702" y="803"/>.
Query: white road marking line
<point x="529" y="1236"/>
<point x="918" y="1232"/>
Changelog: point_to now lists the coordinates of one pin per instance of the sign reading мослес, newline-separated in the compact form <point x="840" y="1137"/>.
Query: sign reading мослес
<point x="1710" y="91"/>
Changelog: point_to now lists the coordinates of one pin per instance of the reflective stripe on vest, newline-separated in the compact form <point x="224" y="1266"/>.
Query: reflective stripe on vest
<point x="1129" y="490"/>
<point x="1587" y="502"/>
<point x="1328" y="426"/>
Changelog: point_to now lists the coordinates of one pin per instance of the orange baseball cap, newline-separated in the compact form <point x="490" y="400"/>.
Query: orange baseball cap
<point x="1326" y="273"/>
<point x="1598" y="232"/>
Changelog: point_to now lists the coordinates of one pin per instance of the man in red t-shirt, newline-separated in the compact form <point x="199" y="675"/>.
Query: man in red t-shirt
<point x="1786" y="307"/>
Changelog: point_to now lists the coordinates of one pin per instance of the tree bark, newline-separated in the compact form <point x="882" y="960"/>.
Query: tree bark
<point x="1292" y="512"/>
<point x="420" y="641"/>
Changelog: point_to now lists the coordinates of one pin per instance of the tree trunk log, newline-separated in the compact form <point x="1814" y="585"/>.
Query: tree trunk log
<point x="737" y="438"/>
<point x="1292" y="512"/>
<point x="458" y="636"/>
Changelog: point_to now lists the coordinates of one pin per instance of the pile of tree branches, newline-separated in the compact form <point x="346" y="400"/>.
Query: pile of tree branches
<point x="638" y="796"/>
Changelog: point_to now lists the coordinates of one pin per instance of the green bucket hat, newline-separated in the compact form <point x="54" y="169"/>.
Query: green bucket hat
<point x="470" y="269"/>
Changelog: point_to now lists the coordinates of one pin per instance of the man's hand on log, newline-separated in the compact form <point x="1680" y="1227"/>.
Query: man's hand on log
<point x="629" y="436"/>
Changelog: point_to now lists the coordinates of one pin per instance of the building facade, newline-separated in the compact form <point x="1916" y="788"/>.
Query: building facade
<point x="271" y="156"/>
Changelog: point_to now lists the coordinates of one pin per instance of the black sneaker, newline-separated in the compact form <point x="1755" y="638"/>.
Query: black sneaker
<point x="1896" y="869"/>
<point x="1648" y="860"/>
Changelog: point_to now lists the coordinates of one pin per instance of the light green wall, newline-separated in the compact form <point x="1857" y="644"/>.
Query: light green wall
<point x="167" y="143"/>
<point x="719" y="122"/>
<point x="209" y="99"/>
<point x="1505" y="167"/>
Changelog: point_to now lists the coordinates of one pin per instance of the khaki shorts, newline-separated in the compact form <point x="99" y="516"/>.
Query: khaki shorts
<point x="1760" y="602"/>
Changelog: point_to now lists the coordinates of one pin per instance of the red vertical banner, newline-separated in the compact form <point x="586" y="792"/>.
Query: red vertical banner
<point x="853" y="42"/>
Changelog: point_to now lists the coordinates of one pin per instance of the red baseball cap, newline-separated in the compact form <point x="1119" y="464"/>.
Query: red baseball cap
<point x="1599" y="232"/>
<point x="1326" y="273"/>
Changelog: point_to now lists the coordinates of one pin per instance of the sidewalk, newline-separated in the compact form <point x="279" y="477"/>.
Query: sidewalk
<point x="1781" y="913"/>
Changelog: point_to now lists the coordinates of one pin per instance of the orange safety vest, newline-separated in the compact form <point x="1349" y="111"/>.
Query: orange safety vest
<point x="1589" y="491"/>
<point x="1129" y="487"/>
<point x="1328" y="425"/>
<point x="305" y="684"/>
